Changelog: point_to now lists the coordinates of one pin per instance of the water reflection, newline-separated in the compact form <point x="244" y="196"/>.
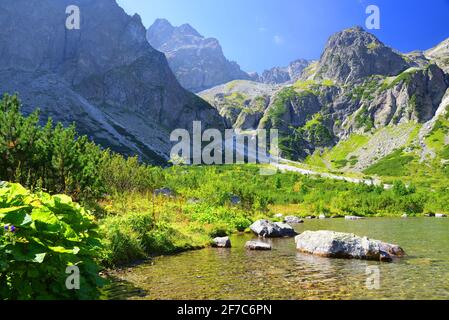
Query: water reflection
<point x="284" y="273"/>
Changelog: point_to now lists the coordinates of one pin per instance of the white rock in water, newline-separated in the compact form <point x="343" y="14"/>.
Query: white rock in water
<point x="353" y="218"/>
<point x="293" y="220"/>
<point x="257" y="245"/>
<point x="268" y="229"/>
<point x="344" y="245"/>
<point x="440" y="215"/>
<point x="222" y="242"/>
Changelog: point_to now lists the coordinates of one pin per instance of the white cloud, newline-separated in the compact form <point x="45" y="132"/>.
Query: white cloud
<point x="278" y="40"/>
<point x="262" y="29"/>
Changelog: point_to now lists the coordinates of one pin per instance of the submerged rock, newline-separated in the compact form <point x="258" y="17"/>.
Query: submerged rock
<point x="222" y="242"/>
<point x="353" y="218"/>
<point x="344" y="245"/>
<point x="293" y="220"/>
<point x="257" y="245"/>
<point x="268" y="229"/>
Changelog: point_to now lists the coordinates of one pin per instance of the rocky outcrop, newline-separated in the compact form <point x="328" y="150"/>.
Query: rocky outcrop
<point x="197" y="62"/>
<point x="353" y="54"/>
<point x="440" y="54"/>
<point x="282" y="75"/>
<point x="105" y="76"/>
<point x="258" y="246"/>
<point x="268" y="229"/>
<point x="343" y="245"/>
<point x="242" y="103"/>
<point x="221" y="242"/>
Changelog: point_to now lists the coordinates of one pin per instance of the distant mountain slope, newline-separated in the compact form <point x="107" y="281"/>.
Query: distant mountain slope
<point x="280" y="75"/>
<point x="358" y="88"/>
<point x="197" y="62"/>
<point x="105" y="77"/>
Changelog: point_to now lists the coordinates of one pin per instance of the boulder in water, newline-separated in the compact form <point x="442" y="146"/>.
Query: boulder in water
<point x="268" y="229"/>
<point x="222" y="242"/>
<point x="344" y="245"/>
<point x="257" y="245"/>
<point x="293" y="220"/>
<point x="353" y="218"/>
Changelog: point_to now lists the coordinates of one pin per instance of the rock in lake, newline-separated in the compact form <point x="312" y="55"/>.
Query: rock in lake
<point x="257" y="245"/>
<point x="430" y="215"/>
<point x="344" y="245"/>
<point x="353" y="218"/>
<point x="404" y="216"/>
<point x="268" y="229"/>
<point x="322" y="217"/>
<point x="293" y="220"/>
<point x="222" y="242"/>
<point x="440" y="215"/>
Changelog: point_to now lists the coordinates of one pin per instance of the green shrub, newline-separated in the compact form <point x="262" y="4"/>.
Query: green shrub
<point x="42" y="235"/>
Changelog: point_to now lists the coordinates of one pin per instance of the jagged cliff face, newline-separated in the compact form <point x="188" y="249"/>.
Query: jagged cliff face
<point x="282" y="75"/>
<point x="198" y="62"/>
<point x="105" y="76"/>
<point x="358" y="86"/>
<point x="353" y="54"/>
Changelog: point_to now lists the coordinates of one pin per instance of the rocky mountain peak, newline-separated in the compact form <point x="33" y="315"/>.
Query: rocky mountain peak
<point x="354" y="54"/>
<point x="198" y="62"/>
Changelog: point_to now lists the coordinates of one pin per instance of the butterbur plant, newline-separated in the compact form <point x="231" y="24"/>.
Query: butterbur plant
<point x="41" y="236"/>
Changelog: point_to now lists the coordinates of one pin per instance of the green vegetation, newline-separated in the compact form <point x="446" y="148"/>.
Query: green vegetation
<point x="393" y="165"/>
<point x="363" y="119"/>
<point x="404" y="77"/>
<point x="52" y="232"/>
<point x="373" y="46"/>
<point x="40" y="237"/>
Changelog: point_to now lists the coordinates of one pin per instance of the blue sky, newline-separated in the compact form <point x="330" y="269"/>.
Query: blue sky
<point x="260" y="34"/>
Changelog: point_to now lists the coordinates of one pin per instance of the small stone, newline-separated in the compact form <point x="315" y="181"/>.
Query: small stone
<point x="293" y="220"/>
<point x="353" y="218"/>
<point x="257" y="245"/>
<point x="222" y="242"/>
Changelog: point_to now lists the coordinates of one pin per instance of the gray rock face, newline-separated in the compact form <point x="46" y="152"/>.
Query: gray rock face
<point x="343" y="245"/>
<point x="105" y="76"/>
<point x="440" y="54"/>
<point x="222" y="242"/>
<point x="258" y="246"/>
<point x="268" y="229"/>
<point x="354" y="54"/>
<point x="293" y="220"/>
<point x="198" y="62"/>
<point x="281" y="75"/>
<point x="242" y="103"/>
